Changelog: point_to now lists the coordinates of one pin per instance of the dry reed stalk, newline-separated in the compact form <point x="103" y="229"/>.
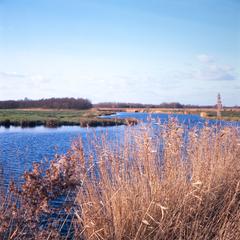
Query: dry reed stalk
<point x="162" y="186"/>
<point x="151" y="183"/>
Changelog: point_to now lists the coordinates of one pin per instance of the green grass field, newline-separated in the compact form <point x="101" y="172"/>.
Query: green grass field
<point x="54" y="118"/>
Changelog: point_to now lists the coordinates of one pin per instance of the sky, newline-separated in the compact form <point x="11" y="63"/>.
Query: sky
<point x="146" y="51"/>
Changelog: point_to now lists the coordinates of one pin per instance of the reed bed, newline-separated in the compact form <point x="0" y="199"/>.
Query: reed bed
<point x="155" y="182"/>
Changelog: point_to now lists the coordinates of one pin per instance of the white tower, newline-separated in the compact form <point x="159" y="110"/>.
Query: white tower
<point x="219" y="105"/>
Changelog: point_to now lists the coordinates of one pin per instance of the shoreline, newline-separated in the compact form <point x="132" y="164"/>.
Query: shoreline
<point x="228" y="114"/>
<point x="53" y="118"/>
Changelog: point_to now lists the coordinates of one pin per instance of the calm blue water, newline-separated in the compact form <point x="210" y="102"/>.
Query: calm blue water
<point x="20" y="147"/>
<point x="190" y="120"/>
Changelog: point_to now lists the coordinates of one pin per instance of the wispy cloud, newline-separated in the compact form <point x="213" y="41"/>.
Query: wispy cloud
<point x="211" y="70"/>
<point x="18" y="85"/>
<point x="207" y="68"/>
<point x="13" y="77"/>
<point x="205" y="58"/>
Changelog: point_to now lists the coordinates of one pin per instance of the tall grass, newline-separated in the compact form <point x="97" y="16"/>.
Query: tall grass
<point x="156" y="183"/>
<point x="163" y="186"/>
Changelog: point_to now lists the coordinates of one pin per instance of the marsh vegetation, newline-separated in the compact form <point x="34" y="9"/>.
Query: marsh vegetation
<point x="165" y="182"/>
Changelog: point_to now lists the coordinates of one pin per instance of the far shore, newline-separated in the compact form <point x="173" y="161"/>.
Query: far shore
<point x="32" y="117"/>
<point x="227" y="114"/>
<point x="59" y="117"/>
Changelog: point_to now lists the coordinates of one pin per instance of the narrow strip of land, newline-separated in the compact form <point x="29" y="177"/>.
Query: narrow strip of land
<point x="55" y="118"/>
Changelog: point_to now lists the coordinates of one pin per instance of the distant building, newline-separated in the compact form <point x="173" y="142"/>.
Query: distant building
<point x="219" y="105"/>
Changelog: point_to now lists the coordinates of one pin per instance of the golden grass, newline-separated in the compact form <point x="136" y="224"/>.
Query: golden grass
<point x="182" y="191"/>
<point x="154" y="184"/>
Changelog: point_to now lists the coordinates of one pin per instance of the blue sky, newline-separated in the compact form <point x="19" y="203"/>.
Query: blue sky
<point x="148" y="51"/>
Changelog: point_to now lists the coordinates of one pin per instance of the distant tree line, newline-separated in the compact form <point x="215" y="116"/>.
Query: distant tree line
<point x="140" y="105"/>
<point x="137" y="105"/>
<point x="80" y="103"/>
<point x="51" y="103"/>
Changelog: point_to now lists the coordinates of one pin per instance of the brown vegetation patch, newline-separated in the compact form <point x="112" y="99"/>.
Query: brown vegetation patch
<point x="152" y="185"/>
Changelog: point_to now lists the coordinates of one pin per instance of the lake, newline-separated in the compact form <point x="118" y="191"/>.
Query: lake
<point x="20" y="147"/>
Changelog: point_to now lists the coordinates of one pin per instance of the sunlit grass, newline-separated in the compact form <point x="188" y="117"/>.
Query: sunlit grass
<point x="55" y="118"/>
<point x="153" y="184"/>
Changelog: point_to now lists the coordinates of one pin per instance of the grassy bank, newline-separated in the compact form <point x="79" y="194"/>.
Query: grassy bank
<point x="230" y="115"/>
<point x="55" y="118"/>
<point x="154" y="185"/>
